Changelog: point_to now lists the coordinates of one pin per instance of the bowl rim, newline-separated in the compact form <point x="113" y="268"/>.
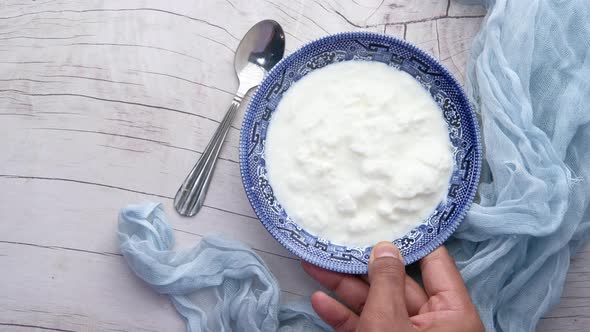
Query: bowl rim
<point x="413" y="256"/>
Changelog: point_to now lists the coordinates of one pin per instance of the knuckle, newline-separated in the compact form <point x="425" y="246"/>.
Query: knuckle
<point x="376" y="316"/>
<point x="345" y="324"/>
<point x="335" y="284"/>
<point x="378" y="321"/>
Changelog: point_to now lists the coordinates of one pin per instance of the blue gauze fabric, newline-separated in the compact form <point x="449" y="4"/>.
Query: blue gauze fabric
<point x="529" y="77"/>
<point x="218" y="285"/>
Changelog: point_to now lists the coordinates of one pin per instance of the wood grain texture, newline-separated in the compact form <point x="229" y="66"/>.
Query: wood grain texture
<point x="105" y="103"/>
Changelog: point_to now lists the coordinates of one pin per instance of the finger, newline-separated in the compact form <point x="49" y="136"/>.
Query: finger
<point x="440" y="274"/>
<point x="386" y="300"/>
<point x="350" y="289"/>
<point x="428" y="320"/>
<point x="334" y="313"/>
<point x="415" y="296"/>
<point x="448" y="321"/>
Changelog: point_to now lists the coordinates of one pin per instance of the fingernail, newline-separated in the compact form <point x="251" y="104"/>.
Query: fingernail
<point x="386" y="249"/>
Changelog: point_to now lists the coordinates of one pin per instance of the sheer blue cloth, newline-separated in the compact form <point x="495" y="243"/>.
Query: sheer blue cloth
<point x="218" y="285"/>
<point x="529" y="77"/>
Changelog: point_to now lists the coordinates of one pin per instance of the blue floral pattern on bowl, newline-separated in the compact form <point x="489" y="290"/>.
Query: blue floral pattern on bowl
<point x="444" y="89"/>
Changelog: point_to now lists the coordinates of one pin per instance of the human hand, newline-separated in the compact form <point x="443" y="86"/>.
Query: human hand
<point x="392" y="301"/>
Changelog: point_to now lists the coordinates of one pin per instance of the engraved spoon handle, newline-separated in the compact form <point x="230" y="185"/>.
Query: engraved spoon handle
<point x="191" y="194"/>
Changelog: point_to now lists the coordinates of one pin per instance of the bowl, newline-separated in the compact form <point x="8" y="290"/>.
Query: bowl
<point x="444" y="89"/>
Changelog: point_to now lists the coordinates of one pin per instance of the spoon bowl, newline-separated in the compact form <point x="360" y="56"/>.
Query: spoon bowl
<point x="263" y="45"/>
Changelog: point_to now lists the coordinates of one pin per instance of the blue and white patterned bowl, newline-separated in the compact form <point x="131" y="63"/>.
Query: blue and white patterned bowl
<point x="361" y="46"/>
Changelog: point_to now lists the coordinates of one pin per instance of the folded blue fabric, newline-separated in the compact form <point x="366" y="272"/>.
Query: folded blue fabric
<point x="219" y="285"/>
<point x="529" y="77"/>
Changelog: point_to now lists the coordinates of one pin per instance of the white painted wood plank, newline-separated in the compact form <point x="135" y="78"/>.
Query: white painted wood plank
<point x="114" y="160"/>
<point x="84" y="217"/>
<point x="425" y="36"/>
<point x="573" y="311"/>
<point x="129" y="124"/>
<point x="465" y="8"/>
<point x="375" y="12"/>
<point x="67" y="289"/>
<point x="455" y="36"/>
<point x="396" y="30"/>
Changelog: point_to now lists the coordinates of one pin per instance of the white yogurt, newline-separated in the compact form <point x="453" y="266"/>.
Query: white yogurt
<point x="358" y="152"/>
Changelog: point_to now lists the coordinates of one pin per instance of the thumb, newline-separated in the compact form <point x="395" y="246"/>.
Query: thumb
<point x="386" y="301"/>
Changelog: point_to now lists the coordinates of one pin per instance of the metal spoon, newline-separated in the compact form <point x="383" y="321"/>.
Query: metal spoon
<point x="260" y="49"/>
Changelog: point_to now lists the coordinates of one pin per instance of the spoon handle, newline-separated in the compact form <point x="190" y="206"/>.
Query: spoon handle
<point x="191" y="194"/>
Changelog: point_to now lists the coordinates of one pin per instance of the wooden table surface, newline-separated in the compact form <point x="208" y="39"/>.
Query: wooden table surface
<point x="105" y="103"/>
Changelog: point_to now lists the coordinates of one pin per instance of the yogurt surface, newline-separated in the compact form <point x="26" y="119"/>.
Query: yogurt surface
<point x="358" y="152"/>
